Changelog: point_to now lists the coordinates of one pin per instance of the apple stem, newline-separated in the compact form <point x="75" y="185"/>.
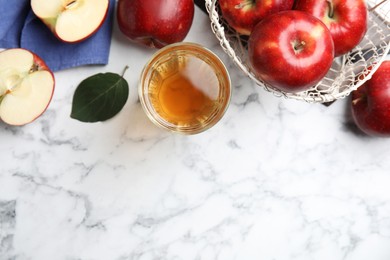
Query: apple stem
<point x="377" y="5"/>
<point x="331" y="9"/>
<point x="298" y="46"/>
<point x="243" y="4"/>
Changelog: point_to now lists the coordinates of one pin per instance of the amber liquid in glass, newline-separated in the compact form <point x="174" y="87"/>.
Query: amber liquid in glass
<point x="184" y="90"/>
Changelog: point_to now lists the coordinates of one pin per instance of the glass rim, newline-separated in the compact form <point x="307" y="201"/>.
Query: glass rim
<point x="213" y="118"/>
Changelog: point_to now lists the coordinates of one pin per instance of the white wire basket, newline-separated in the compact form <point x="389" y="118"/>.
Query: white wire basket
<point x="347" y="73"/>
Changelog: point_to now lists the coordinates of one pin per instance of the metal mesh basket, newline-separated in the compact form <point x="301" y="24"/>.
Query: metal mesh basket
<point x="347" y="73"/>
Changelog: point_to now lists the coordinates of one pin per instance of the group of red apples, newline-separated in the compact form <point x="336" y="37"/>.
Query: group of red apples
<point x="292" y="45"/>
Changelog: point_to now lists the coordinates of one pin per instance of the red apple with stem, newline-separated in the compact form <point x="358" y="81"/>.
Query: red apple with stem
<point x="370" y="103"/>
<point x="71" y="20"/>
<point x="26" y="86"/>
<point x="155" y="23"/>
<point x="291" y="50"/>
<point x="243" y="15"/>
<point x="346" y="20"/>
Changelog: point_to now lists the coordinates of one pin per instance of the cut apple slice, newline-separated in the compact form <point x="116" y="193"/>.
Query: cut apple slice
<point x="71" y="20"/>
<point x="26" y="86"/>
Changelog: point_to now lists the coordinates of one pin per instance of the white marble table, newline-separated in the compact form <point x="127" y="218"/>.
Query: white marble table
<point x="275" y="179"/>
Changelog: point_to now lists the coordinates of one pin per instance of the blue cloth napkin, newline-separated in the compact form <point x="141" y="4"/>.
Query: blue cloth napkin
<point x="20" y="28"/>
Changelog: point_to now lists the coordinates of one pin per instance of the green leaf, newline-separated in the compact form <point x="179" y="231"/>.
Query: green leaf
<point x="99" y="97"/>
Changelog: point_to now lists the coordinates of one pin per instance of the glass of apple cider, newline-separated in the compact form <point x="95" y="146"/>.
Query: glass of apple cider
<point x="185" y="88"/>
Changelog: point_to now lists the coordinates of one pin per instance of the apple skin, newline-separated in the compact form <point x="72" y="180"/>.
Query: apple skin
<point x="155" y="23"/>
<point x="41" y="65"/>
<point x="291" y="50"/>
<point x="348" y="24"/>
<point x="38" y="65"/>
<point x="243" y="15"/>
<point x="370" y="103"/>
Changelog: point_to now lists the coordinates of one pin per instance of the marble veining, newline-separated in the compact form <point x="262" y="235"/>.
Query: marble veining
<point x="275" y="179"/>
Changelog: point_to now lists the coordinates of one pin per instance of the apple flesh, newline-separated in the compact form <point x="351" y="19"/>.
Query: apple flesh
<point x="155" y="23"/>
<point x="26" y="86"/>
<point x="71" y="20"/>
<point x="243" y="15"/>
<point x="370" y="103"/>
<point x="291" y="50"/>
<point x="346" y="20"/>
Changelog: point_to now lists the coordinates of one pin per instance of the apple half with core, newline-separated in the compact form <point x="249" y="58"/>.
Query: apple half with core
<point x="26" y="86"/>
<point x="243" y="15"/>
<point x="370" y="103"/>
<point x="71" y="20"/>
<point x="346" y="20"/>
<point x="155" y="23"/>
<point x="291" y="50"/>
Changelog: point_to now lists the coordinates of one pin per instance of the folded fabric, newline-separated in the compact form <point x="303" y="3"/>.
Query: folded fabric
<point x="12" y="17"/>
<point x="20" y="28"/>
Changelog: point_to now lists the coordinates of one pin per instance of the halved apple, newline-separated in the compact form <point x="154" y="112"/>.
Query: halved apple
<point x="26" y="86"/>
<point x="71" y="20"/>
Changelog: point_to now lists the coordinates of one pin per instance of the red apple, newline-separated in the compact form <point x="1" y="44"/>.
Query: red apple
<point x="26" y="86"/>
<point x="291" y="50"/>
<point x="346" y="20"/>
<point x="155" y="23"/>
<point x="243" y="15"/>
<point x="71" y="20"/>
<point x="370" y="103"/>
